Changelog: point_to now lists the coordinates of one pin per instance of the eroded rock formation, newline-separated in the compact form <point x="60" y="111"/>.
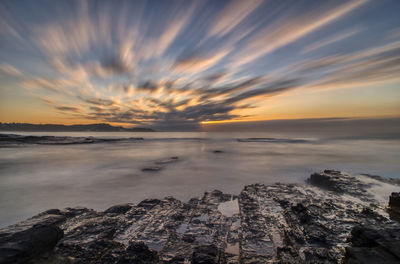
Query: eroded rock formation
<point x="342" y="222"/>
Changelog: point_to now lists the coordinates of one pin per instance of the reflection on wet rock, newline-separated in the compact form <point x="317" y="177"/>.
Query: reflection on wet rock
<point x="279" y="223"/>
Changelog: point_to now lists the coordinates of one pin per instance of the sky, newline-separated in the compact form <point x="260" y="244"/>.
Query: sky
<point x="184" y="64"/>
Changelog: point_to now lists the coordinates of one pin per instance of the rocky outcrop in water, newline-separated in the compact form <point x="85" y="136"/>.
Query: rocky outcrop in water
<point x="7" y="140"/>
<point x="160" y="164"/>
<point x="69" y="128"/>
<point x="342" y="222"/>
<point x="273" y="140"/>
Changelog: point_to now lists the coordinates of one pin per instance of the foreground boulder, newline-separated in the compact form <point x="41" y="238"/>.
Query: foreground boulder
<point x="26" y="245"/>
<point x="336" y="219"/>
<point x="374" y="245"/>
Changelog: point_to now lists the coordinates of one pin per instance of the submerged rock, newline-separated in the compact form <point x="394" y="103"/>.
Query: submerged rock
<point x="279" y="223"/>
<point x="152" y="169"/>
<point x="273" y="140"/>
<point x="160" y="164"/>
<point x="167" y="161"/>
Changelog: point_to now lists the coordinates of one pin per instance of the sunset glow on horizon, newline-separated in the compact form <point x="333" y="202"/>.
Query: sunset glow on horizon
<point x="167" y="64"/>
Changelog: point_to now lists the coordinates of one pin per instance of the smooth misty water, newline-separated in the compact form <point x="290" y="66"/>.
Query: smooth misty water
<point x="34" y="178"/>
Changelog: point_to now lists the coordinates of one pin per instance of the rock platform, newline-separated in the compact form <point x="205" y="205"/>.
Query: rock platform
<point x="334" y="218"/>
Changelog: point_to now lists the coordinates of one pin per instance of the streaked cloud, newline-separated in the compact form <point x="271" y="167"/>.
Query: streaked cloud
<point x="9" y="70"/>
<point x="332" y="39"/>
<point x="232" y="14"/>
<point x="179" y="63"/>
<point x="199" y="62"/>
<point x="68" y="109"/>
<point x="284" y="32"/>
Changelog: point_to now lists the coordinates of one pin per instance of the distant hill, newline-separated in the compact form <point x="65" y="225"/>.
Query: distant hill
<point x="67" y="128"/>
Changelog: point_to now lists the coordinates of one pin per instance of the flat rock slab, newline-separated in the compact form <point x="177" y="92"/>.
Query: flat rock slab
<point x="279" y="223"/>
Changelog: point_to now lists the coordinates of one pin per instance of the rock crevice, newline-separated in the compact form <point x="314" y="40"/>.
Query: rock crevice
<point x="333" y="219"/>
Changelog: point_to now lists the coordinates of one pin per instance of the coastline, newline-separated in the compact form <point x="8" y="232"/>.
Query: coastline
<point x="328" y="219"/>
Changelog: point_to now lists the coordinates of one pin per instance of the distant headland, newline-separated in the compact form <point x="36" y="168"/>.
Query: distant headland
<point x="68" y="128"/>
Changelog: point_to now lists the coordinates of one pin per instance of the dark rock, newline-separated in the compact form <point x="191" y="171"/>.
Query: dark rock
<point x="374" y="245"/>
<point x="72" y="212"/>
<point x="272" y="140"/>
<point x="218" y="151"/>
<point x="301" y="213"/>
<point x="152" y="169"/>
<point x="56" y="140"/>
<point x="119" y="209"/>
<point x="160" y="164"/>
<point x="188" y="238"/>
<point x="20" y="247"/>
<point x="149" y="203"/>
<point x="47" y="219"/>
<point x="279" y="223"/>
<point x="324" y="180"/>
<point x="99" y="251"/>
<point x="208" y="254"/>
<point x="339" y="182"/>
<point x="394" y="206"/>
<point x="167" y="161"/>
<point x="139" y="253"/>
<point x="394" y="200"/>
<point x="369" y="212"/>
<point x="53" y="211"/>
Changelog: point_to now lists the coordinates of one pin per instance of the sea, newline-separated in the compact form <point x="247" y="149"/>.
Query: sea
<point x="101" y="169"/>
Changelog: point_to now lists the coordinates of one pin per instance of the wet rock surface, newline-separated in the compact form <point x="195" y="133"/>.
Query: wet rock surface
<point x="394" y="206"/>
<point x="280" y="223"/>
<point x="338" y="182"/>
<point x="29" y="243"/>
<point x="372" y="244"/>
<point x="394" y="201"/>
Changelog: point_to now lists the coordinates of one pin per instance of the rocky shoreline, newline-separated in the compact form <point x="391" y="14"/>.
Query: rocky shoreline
<point x="334" y="218"/>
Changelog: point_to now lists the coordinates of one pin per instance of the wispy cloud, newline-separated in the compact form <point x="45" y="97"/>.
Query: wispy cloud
<point x="195" y="63"/>
<point x="68" y="109"/>
<point x="332" y="39"/>
<point x="9" y="70"/>
<point x="180" y="63"/>
<point x="284" y="32"/>
<point x="233" y="14"/>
